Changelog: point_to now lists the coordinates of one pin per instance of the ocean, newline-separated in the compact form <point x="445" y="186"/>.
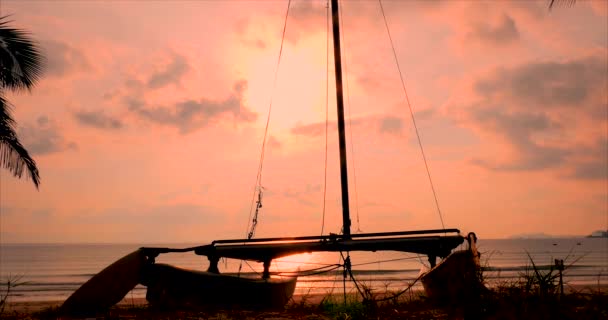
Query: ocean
<point x="51" y="272"/>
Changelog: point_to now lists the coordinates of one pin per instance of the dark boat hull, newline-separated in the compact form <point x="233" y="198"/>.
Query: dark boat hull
<point x="169" y="286"/>
<point x="106" y="288"/>
<point x="457" y="278"/>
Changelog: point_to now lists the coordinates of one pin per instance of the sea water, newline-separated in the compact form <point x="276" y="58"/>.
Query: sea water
<point x="51" y="272"/>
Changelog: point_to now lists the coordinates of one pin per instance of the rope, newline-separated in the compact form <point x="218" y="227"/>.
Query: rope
<point x="348" y="269"/>
<point x="258" y="181"/>
<point x="346" y="266"/>
<point x="326" y="111"/>
<point x="428" y="172"/>
<point x="350" y="121"/>
<point x="303" y="262"/>
<point x="382" y="261"/>
<point x="258" y="206"/>
<point x="396" y="295"/>
<point x="312" y="272"/>
<point x="335" y="280"/>
<point x="367" y="295"/>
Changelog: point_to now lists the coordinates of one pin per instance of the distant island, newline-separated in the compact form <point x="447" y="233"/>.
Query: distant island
<point x="598" y="234"/>
<point x="532" y="236"/>
<point x="541" y="235"/>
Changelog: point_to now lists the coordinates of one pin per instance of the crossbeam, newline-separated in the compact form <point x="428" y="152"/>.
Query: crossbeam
<point x="434" y="242"/>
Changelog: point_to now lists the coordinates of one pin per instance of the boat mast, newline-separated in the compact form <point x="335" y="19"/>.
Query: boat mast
<point x="341" y="128"/>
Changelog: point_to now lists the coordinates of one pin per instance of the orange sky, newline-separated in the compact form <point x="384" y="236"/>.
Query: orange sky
<point x="148" y="122"/>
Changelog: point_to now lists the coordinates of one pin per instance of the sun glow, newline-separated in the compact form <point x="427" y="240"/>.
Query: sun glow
<point x="296" y="262"/>
<point x="299" y="95"/>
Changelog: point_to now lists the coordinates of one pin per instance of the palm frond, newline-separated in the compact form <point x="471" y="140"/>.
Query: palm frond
<point x="561" y="2"/>
<point x="20" y="58"/>
<point x="13" y="155"/>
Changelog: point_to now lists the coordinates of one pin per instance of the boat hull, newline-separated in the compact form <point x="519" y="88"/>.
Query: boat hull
<point x="456" y="279"/>
<point x="169" y="286"/>
<point x="106" y="288"/>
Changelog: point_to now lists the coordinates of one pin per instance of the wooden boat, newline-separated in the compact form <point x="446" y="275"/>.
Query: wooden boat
<point x="456" y="279"/>
<point x="171" y="286"/>
<point x="106" y="288"/>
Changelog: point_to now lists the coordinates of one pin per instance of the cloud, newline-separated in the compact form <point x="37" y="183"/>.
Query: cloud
<point x="251" y="33"/>
<point x="540" y="85"/>
<point x="391" y="125"/>
<point x="307" y="18"/>
<point x="307" y="197"/>
<point x="496" y="35"/>
<point x="97" y="119"/>
<point x="44" y="138"/>
<point x="32" y="215"/>
<point x="171" y="73"/>
<point x="545" y="114"/>
<point x="592" y="163"/>
<point x="316" y="129"/>
<point x="274" y="143"/>
<point x="63" y="59"/>
<point x="190" y="115"/>
<point x="384" y="124"/>
<point x="157" y="216"/>
<point x="518" y="129"/>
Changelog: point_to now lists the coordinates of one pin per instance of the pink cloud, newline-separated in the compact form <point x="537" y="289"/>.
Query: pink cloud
<point x="45" y="137"/>
<point x="536" y="109"/>
<point x="375" y="124"/>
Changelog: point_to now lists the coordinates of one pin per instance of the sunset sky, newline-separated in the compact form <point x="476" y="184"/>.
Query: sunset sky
<point x="148" y="122"/>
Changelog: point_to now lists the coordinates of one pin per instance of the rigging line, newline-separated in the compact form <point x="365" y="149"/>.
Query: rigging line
<point x="335" y="279"/>
<point x="382" y="261"/>
<point x="366" y="296"/>
<point x="428" y="172"/>
<point x="302" y="262"/>
<point x="302" y="274"/>
<point x="252" y="269"/>
<point x="258" y="181"/>
<point x="311" y="271"/>
<point x="396" y="295"/>
<point x="350" y="121"/>
<point x="348" y="269"/>
<point x="326" y="110"/>
<point x="331" y="266"/>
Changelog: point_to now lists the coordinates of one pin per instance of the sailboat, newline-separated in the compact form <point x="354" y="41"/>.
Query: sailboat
<point x="171" y="286"/>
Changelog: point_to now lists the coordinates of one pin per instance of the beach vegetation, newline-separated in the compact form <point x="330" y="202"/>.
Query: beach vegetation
<point x="11" y="282"/>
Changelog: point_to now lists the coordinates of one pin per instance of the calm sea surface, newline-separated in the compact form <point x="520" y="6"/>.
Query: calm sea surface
<point x="54" y="271"/>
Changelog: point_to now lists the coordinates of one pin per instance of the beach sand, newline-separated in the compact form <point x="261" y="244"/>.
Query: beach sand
<point x="301" y="307"/>
<point x="37" y="306"/>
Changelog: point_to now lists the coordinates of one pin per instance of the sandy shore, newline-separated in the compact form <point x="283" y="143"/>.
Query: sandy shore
<point x="30" y="307"/>
<point x="36" y="306"/>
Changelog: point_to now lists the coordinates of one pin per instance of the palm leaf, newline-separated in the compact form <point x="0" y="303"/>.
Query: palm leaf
<point x="20" y="58"/>
<point x="561" y="2"/>
<point x="13" y="155"/>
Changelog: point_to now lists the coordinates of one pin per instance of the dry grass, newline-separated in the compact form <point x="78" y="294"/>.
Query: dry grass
<point x="508" y="301"/>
